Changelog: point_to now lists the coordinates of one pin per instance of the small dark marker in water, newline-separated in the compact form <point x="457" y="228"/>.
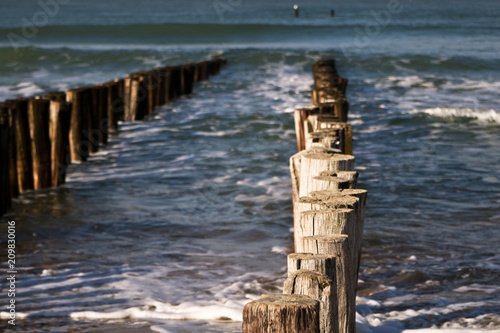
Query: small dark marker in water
<point x="296" y="10"/>
<point x="332" y="12"/>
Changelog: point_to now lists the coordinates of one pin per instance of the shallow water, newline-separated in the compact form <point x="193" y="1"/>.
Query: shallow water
<point x="187" y="215"/>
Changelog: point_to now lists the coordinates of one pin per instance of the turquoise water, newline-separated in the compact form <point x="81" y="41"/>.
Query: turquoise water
<point x="187" y="215"/>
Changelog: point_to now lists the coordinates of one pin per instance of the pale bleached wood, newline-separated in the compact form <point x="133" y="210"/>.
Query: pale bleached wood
<point x="280" y="314"/>
<point x="329" y="183"/>
<point x="313" y="163"/>
<point x="338" y="246"/>
<point x="319" y="287"/>
<point x="326" y="222"/>
<point x="350" y="176"/>
<point x="323" y="197"/>
<point x="127" y="84"/>
<point x="321" y="263"/>
<point x="299" y="117"/>
<point x="295" y="170"/>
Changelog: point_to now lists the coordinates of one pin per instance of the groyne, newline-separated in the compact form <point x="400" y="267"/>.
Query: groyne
<point x="319" y="294"/>
<point x="41" y="135"/>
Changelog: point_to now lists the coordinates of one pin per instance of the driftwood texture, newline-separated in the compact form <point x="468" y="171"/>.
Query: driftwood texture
<point x="338" y="246"/>
<point x="281" y="314"/>
<point x="319" y="287"/>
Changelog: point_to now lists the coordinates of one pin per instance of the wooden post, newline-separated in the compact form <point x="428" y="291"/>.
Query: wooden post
<point x="5" y="196"/>
<point x="139" y="96"/>
<point x="79" y="133"/>
<point x="328" y="180"/>
<point x="324" y="222"/>
<point x="160" y="87"/>
<point x="127" y="92"/>
<point x="99" y="129"/>
<point x="319" y="287"/>
<point x="23" y="144"/>
<point x="321" y="263"/>
<point x="114" y="105"/>
<point x="167" y="78"/>
<point x="281" y="313"/>
<point x="337" y="245"/>
<point x="38" y="116"/>
<point x="60" y="119"/>
<point x="175" y="82"/>
<point x="312" y="163"/>
<point x="119" y="103"/>
<point x="300" y="117"/>
<point x="152" y="86"/>
<point x="203" y="71"/>
<point x="321" y="199"/>
<point x="187" y="79"/>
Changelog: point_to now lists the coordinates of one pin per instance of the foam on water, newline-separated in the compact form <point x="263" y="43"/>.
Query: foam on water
<point x="483" y="116"/>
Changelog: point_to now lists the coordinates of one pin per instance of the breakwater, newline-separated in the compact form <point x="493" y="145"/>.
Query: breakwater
<point x="319" y="294"/>
<point x="41" y="135"/>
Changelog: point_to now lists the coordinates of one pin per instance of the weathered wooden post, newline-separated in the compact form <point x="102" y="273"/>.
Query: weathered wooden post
<point x="281" y="313"/>
<point x="203" y="71"/>
<point x="321" y="263"/>
<point x="79" y="133"/>
<point x="59" y="126"/>
<point x="23" y="144"/>
<point x="312" y="163"/>
<point x="319" y="287"/>
<point x="127" y="95"/>
<point x="187" y="79"/>
<point x="139" y="96"/>
<point x="175" y="82"/>
<point x="118" y="103"/>
<point x="324" y="222"/>
<point x="160" y="87"/>
<point x="114" y="105"/>
<point x="167" y="79"/>
<point x="335" y="180"/>
<point x="38" y="116"/>
<point x="323" y="199"/>
<point x="99" y="129"/>
<point x="337" y="245"/>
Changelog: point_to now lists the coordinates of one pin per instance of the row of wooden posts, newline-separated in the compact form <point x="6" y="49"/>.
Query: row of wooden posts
<point x="319" y="294"/>
<point x="40" y="136"/>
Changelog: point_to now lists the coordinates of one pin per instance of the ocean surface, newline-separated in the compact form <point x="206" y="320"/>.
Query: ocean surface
<point x="185" y="217"/>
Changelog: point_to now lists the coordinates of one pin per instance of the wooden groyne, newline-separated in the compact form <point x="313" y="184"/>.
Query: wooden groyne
<point x="319" y="294"/>
<point x="40" y="136"/>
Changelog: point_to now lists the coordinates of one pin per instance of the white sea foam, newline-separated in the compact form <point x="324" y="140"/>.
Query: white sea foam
<point x="478" y="287"/>
<point x="483" y="116"/>
<point x="21" y="89"/>
<point x="405" y="82"/>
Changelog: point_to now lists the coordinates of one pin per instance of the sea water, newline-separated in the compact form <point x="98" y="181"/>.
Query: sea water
<point x="183" y="218"/>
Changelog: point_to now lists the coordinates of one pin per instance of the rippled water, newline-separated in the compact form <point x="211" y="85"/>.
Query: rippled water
<point x="187" y="215"/>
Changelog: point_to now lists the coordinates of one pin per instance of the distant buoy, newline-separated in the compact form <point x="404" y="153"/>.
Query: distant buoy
<point x="332" y="13"/>
<point x="296" y="10"/>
